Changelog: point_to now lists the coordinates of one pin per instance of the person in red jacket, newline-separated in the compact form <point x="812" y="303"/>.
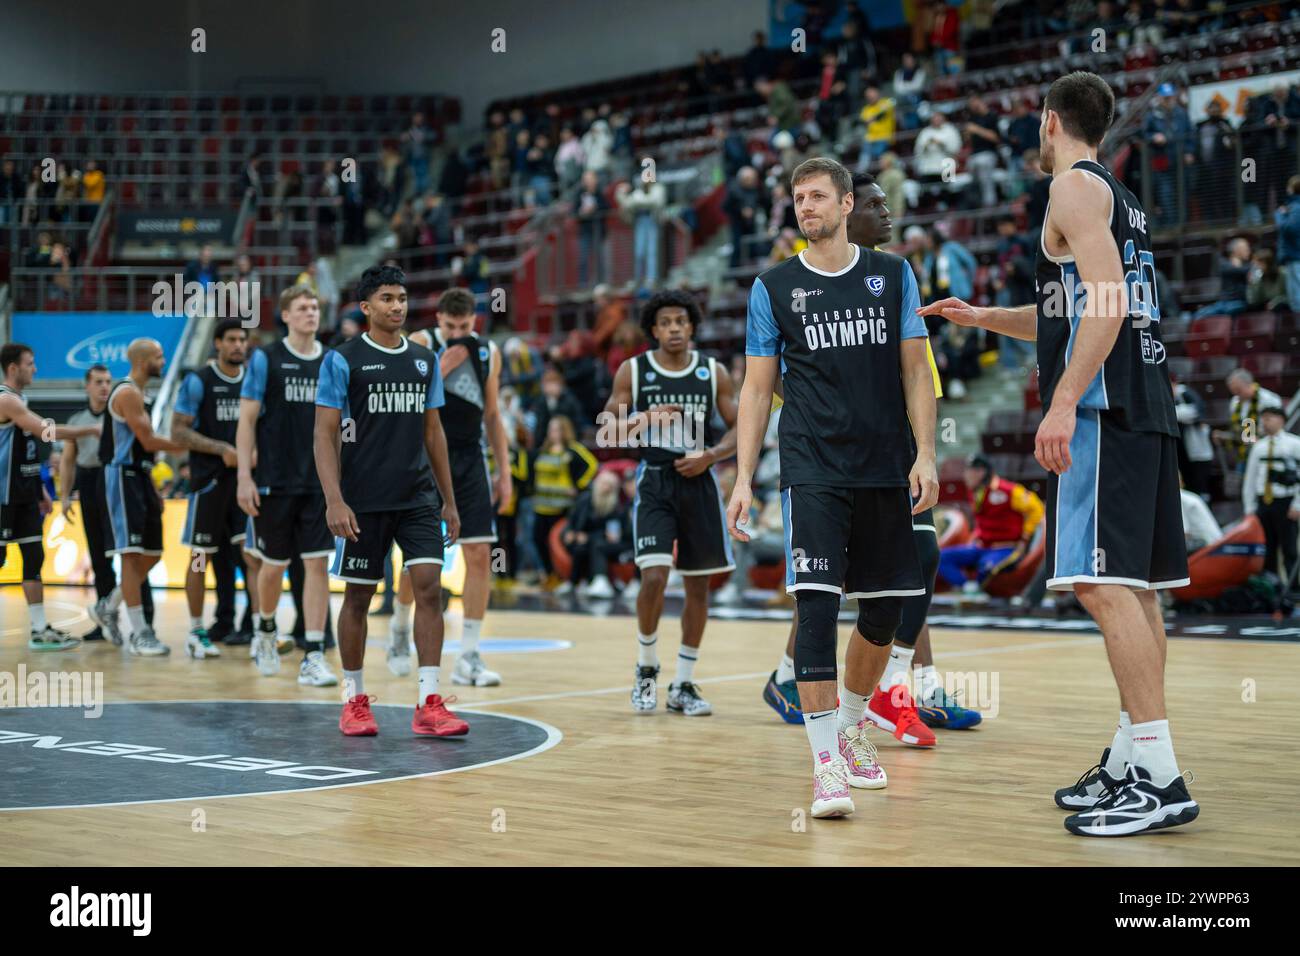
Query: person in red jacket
<point x="1006" y="516"/>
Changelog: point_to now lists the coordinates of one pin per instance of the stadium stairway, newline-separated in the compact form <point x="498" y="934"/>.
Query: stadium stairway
<point x="962" y="422"/>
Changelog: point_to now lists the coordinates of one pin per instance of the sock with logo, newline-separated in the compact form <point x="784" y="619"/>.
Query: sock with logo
<point x="1153" y="751"/>
<point x="897" y="668"/>
<point x="266" y="624"/>
<point x="785" y="672"/>
<point x="823" y="736"/>
<point x="136" y="616"/>
<point x="37" y="612"/>
<point x="927" y="682"/>
<point x="428" y="683"/>
<point x="686" y="658"/>
<point x="315" y="641"/>
<point x="646" y="656"/>
<point x="469" y="634"/>
<point x="401" y="617"/>
<point x="852" y="707"/>
<point x="1121" y="747"/>
<point x="353" y="685"/>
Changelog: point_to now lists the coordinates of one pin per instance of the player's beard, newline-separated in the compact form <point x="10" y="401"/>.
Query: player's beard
<point x="1046" y="157"/>
<point x="827" y="230"/>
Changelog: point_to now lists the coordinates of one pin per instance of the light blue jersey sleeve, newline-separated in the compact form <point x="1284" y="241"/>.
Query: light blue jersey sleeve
<point x="332" y="387"/>
<point x="255" y="378"/>
<point x="762" y="334"/>
<point x="913" y="325"/>
<point x="435" y="398"/>
<point x="190" y="396"/>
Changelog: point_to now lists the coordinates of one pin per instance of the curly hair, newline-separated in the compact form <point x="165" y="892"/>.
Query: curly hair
<point x="377" y="276"/>
<point x="670" y="299"/>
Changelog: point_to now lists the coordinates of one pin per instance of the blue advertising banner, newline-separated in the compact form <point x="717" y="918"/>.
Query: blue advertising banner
<point x="68" y="343"/>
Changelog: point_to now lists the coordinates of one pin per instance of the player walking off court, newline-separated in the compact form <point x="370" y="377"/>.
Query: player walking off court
<point x="663" y="401"/>
<point x="379" y="450"/>
<point x="1109" y="439"/>
<point x="839" y="323"/>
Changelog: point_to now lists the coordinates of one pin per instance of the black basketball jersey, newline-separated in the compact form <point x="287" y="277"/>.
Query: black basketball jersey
<point x="694" y="388"/>
<point x="1133" y="382"/>
<point x="465" y="389"/>
<point x="20" y="463"/>
<point x="382" y="394"/>
<point x="285" y="381"/>
<point x="117" y="442"/>
<point x="844" y="422"/>
<point x="212" y="399"/>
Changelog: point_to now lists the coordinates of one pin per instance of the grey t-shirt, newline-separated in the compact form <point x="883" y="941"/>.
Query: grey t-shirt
<point x="87" y="448"/>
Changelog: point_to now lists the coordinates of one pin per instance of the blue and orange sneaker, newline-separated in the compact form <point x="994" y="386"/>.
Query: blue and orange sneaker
<point x="784" y="699"/>
<point x="941" y="710"/>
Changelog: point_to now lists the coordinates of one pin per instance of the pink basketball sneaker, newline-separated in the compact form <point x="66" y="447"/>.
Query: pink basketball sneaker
<point x="831" y="787"/>
<point x="860" y="754"/>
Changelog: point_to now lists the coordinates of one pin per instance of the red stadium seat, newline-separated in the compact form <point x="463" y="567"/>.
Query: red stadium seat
<point x="1253" y="332"/>
<point x="1209" y="336"/>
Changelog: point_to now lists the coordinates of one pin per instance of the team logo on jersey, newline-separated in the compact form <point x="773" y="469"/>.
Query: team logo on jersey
<point x="422" y="366"/>
<point x="875" y="285"/>
<point x="483" y="353"/>
<point x="649" y="376"/>
<point x="702" y="374"/>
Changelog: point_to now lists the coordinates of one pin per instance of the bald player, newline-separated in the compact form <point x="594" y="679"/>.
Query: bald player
<point x="126" y="448"/>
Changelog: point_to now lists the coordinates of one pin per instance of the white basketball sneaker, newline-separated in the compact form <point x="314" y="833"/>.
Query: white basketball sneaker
<point x="315" y="671"/>
<point x="265" y="655"/>
<point x="471" y="670"/>
<point x="831" y="797"/>
<point x="399" y="651"/>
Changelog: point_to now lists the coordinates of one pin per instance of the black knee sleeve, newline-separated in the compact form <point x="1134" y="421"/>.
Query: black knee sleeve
<point x="33" y="553"/>
<point x="916" y="608"/>
<point x="878" y="619"/>
<point x="814" y="642"/>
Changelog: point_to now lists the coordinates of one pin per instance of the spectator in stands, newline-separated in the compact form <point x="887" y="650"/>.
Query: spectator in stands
<point x="893" y="181"/>
<point x="38" y="256"/>
<point x="597" y="533"/>
<point x="1013" y="283"/>
<point x="519" y="161"/>
<point x="1195" y="451"/>
<point x="418" y="141"/>
<point x="742" y="204"/>
<point x="1168" y="132"/>
<point x="1141" y="29"/>
<point x="628" y="341"/>
<point x="496" y="149"/>
<point x="68" y="194"/>
<point x="92" y="190"/>
<point x="1248" y="397"/>
<point x="329" y="196"/>
<point x="32" y="197"/>
<point x="11" y="192"/>
<point x="475" y="269"/>
<point x="555" y="399"/>
<point x="349" y="328"/>
<point x="590" y="209"/>
<point x="878" y="116"/>
<point x="583" y="374"/>
<point x="758" y="61"/>
<point x="438" y="231"/>
<point x="1270" y="116"/>
<point x="781" y="104"/>
<point x="60" y="286"/>
<point x="833" y="101"/>
<point x="735" y="151"/>
<point x="1287" y="218"/>
<point x="856" y="56"/>
<point x="936" y="148"/>
<point x="319" y="277"/>
<point x="453" y="181"/>
<point x="1234" y="271"/>
<point x="522" y="369"/>
<point x="1271" y="490"/>
<point x="244" y="272"/>
<point x="910" y="81"/>
<point x="538" y="165"/>
<point x="644" y="207"/>
<point x="1216" y="159"/>
<point x="947" y="271"/>
<point x="569" y="160"/>
<point x="254" y="180"/>
<point x="1022" y="130"/>
<point x="622" y="163"/>
<point x="945" y="36"/>
<point x="1038" y="187"/>
<point x="1199" y="526"/>
<point x="609" y="314"/>
<point x="202" y="270"/>
<point x="561" y="468"/>
<point x="596" y="145"/>
<point x="1006" y="516"/>
<point x="1266" y="285"/>
<point x="405" y="226"/>
<point x="391" y="180"/>
<point x="984" y="139"/>
<point x="781" y="215"/>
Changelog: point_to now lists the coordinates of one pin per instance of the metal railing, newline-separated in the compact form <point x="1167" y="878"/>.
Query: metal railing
<point x="110" y="289"/>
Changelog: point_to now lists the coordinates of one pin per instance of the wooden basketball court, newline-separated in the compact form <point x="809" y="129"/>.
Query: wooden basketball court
<point x="597" y="784"/>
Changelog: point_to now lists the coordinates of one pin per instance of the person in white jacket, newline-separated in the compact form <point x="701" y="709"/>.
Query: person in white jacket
<point x="1271" y="489"/>
<point x="643" y="207"/>
<point x="937" y="145"/>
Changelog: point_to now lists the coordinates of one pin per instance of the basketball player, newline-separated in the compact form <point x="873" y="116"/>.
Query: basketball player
<point x="1109" y="438"/>
<point x="871" y="225"/>
<point x="205" y="420"/>
<point x="839" y="322"/>
<point x="281" y="494"/>
<point x="663" y="400"/>
<point x="471" y="376"/>
<point x="24" y="502"/>
<point x="126" y="448"/>
<point x="377" y="434"/>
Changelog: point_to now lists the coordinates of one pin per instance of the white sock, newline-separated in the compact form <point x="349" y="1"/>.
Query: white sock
<point x="927" y="681"/>
<point x="896" y="670"/>
<point x="1121" y="747"/>
<point x="646" y="655"/>
<point x="686" y="658"/>
<point x="37" y="612"/>
<point x="315" y="641"/>
<point x="136" y="616"/>
<point x="786" y="671"/>
<point x="196" y="622"/>
<point x="428" y="683"/>
<point x="469" y="635"/>
<point x="353" y="685"/>
<point x="401" y="617"/>
<point x="852" y="706"/>
<point x="115" y="599"/>
<point x="1153" y="751"/>
<point x="823" y="736"/>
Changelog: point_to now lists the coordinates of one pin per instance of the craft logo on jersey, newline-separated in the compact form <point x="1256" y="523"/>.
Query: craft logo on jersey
<point x="422" y="366"/>
<point x="875" y="285"/>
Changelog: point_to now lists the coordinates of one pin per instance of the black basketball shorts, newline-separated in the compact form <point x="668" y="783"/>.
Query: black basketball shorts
<point x="689" y="511"/>
<point x="289" y="526"/>
<point x="134" y="510"/>
<point x="417" y="531"/>
<point x="855" y="541"/>
<point x="21" y="523"/>
<point x="1116" y="517"/>
<point x="214" y="515"/>
<point x="472" y="486"/>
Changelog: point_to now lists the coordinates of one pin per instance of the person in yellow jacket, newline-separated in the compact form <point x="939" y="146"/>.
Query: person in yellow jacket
<point x="561" y="468"/>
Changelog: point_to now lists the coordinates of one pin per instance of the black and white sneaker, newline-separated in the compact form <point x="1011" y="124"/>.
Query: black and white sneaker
<point x="645" y="692"/>
<point x="1136" y="807"/>
<point x="1094" y="786"/>
<point x="684" y="698"/>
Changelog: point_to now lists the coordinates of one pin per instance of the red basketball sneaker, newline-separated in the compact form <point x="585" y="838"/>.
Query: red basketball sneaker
<point x="894" y="710"/>
<point x="435" y="720"/>
<point x="357" y="720"/>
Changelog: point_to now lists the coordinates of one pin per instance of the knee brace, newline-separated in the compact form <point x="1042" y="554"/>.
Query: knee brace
<point x="916" y="608"/>
<point x="33" y="553"/>
<point x="878" y="619"/>
<point x="814" y="642"/>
